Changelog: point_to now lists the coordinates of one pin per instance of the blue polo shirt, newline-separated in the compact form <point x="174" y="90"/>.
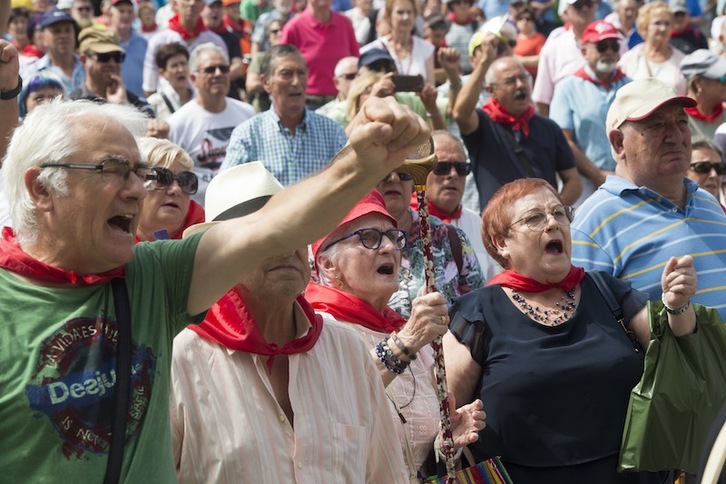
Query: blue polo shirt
<point x="582" y="106"/>
<point x="132" y="70"/>
<point x="631" y="232"/>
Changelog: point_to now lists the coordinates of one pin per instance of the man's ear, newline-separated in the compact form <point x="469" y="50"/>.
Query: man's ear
<point x="265" y="83"/>
<point x="83" y="58"/>
<point x="616" y="138"/>
<point x="39" y="194"/>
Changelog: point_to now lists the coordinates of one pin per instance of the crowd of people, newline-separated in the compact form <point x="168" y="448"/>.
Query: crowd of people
<point x="244" y="167"/>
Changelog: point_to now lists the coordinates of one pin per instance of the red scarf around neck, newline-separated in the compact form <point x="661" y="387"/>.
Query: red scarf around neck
<point x="617" y="75"/>
<point x="433" y="210"/>
<point x="466" y="21"/>
<point x="15" y="259"/>
<point x="499" y="115"/>
<point x="695" y="113"/>
<point x="347" y="307"/>
<point x="230" y="324"/>
<point x="176" y="26"/>
<point x="520" y="282"/>
<point x="150" y="28"/>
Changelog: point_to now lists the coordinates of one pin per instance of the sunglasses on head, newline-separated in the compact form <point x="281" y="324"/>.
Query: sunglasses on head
<point x="705" y="167"/>
<point x="188" y="181"/>
<point x="118" y="57"/>
<point x="604" y="45"/>
<point x="444" y="168"/>
<point x="223" y="68"/>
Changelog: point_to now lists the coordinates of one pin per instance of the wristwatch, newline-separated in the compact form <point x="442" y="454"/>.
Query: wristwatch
<point x="675" y="311"/>
<point x="6" y="95"/>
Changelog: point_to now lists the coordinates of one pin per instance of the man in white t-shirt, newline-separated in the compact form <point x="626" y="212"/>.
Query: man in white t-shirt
<point x="204" y="125"/>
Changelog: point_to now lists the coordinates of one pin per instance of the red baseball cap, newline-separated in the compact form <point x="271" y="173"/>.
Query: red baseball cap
<point x="600" y="30"/>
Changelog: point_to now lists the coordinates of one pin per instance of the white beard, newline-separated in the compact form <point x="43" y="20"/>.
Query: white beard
<point x="603" y="67"/>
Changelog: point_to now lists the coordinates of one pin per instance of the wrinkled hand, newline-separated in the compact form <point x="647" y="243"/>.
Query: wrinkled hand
<point x="490" y="44"/>
<point x="116" y="91"/>
<point x="449" y="59"/>
<point x="466" y="421"/>
<point x="384" y="86"/>
<point x="9" y="66"/>
<point x="429" y="319"/>
<point x="678" y="281"/>
<point x="428" y="97"/>
<point x="156" y="128"/>
<point x="383" y="133"/>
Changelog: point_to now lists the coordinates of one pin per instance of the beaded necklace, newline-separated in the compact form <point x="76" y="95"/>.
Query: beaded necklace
<point x="549" y="317"/>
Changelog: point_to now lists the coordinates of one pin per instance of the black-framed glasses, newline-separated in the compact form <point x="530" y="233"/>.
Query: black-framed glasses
<point x="117" y="57"/>
<point x="537" y="220"/>
<point x="349" y="77"/>
<point x="188" y="181"/>
<point x="119" y="169"/>
<point x="604" y="45"/>
<point x="705" y="167"/>
<point x="444" y="168"/>
<point x="223" y="68"/>
<point x="372" y="238"/>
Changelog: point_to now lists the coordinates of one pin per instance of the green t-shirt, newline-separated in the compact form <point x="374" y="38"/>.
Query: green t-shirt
<point x="250" y="11"/>
<point x="57" y="371"/>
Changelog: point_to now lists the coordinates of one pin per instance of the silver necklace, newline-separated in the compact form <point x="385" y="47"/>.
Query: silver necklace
<point x="549" y="317"/>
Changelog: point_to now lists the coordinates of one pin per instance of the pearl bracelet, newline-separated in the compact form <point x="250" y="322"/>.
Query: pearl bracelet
<point x="675" y="311"/>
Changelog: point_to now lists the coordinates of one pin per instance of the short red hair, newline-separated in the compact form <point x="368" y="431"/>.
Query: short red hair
<point x="497" y="216"/>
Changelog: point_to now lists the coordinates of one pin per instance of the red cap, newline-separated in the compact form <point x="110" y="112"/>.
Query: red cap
<point x="600" y="30"/>
<point x="371" y="203"/>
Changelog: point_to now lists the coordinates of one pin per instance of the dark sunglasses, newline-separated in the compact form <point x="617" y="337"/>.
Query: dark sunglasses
<point x="580" y="4"/>
<point x="444" y="168"/>
<point x="223" y="68"/>
<point x="705" y="167"/>
<point x="188" y="181"/>
<point x="401" y="176"/>
<point x="604" y="45"/>
<point x="349" y="77"/>
<point x="118" y="57"/>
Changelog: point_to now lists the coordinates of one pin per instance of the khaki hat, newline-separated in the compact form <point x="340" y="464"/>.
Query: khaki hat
<point x="236" y="192"/>
<point x="639" y="99"/>
<point x="98" y="39"/>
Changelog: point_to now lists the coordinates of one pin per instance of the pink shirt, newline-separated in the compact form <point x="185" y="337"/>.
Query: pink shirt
<point x="322" y="46"/>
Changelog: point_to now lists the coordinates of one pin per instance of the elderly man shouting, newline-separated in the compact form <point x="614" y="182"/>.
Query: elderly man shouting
<point x="76" y="181"/>
<point x="649" y="211"/>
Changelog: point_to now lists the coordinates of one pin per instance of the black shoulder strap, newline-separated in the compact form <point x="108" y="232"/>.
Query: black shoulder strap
<point x="168" y="103"/>
<point x="609" y="297"/>
<point x="456" y="250"/>
<point x="518" y="149"/>
<point x="123" y="382"/>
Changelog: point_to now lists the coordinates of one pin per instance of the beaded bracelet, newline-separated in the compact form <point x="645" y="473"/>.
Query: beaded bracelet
<point x="388" y="359"/>
<point x="411" y="356"/>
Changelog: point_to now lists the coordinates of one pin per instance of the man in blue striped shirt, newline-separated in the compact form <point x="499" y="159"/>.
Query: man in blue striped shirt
<point x="649" y="211"/>
<point x="290" y="140"/>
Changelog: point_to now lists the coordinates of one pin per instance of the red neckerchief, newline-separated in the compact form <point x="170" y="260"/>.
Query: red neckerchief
<point x="15" y="259"/>
<point x="32" y="50"/>
<point x="151" y="28"/>
<point x="706" y="118"/>
<point x="686" y="31"/>
<point x="617" y="75"/>
<point x="519" y="282"/>
<point x="347" y="307"/>
<point x="241" y="27"/>
<point x="433" y="210"/>
<point x="176" y="26"/>
<point x="466" y="21"/>
<point x="500" y="115"/>
<point x="230" y="324"/>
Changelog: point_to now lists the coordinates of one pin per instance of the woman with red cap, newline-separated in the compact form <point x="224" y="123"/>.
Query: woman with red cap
<point x="358" y="264"/>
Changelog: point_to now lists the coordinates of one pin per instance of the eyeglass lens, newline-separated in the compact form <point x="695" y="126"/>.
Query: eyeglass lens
<point x="223" y="68"/>
<point x="705" y="167"/>
<point x="444" y="168"/>
<point x="372" y="238"/>
<point x="188" y="181"/>
<point x="118" y="57"/>
<point x="604" y="45"/>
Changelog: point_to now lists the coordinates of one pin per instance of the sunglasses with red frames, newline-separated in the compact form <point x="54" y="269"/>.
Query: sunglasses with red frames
<point x="188" y="181"/>
<point x="444" y="168"/>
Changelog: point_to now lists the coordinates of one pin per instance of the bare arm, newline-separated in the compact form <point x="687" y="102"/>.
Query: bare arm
<point x="464" y="109"/>
<point x="9" y="68"/>
<point x="587" y="168"/>
<point x="384" y="133"/>
<point x="543" y="109"/>
<point x="5" y="6"/>
<point x="463" y="374"/>
<point x="449" y="58"/>
<point x="571" y="185"/>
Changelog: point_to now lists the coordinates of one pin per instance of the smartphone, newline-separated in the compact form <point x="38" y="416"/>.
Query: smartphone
<point x="408" y="83"/>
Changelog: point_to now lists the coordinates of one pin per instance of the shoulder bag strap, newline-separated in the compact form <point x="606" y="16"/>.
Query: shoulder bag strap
<point x="519" y="153"/>
<point x="168" y="103"/>
<point x="456" y="249"/>
<point x="609" y="297"/>
<point x="123" y="382"/>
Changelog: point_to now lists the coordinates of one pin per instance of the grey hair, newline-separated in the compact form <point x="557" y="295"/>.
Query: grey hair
<point x="443" y="133"/>
<point x="331" y="254"/>
<point x="163" y="153"/>
<point x="196" y="55"/>
<point x="490" y="76"/>
<point x="49" y="134"/>
<point x="276" y="52"/>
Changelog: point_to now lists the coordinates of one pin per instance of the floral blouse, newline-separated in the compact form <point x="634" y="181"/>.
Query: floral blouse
<point x="449" y="281"/>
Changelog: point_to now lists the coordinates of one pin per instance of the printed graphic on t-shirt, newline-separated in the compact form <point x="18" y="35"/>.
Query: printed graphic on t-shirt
<point x="211" y="154"/>
<point x="75" y="380"/>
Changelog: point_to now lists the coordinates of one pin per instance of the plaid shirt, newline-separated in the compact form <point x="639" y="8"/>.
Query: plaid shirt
<point x="289" y="157"/>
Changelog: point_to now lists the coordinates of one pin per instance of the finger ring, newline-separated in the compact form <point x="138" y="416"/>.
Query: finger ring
<point x="444" y="320"/>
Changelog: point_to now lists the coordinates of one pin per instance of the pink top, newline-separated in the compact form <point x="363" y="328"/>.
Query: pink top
<point x="322" y="46"/>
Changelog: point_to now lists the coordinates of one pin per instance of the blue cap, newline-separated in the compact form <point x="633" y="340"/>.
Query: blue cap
<point x="54" y="16"/>
<point x="372" y="55"/>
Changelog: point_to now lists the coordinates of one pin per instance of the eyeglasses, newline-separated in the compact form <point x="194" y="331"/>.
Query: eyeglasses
<point x="580" y="4"/>
<point x="512" y="81"/>
<point x="117" y="169"/>
<point x="604" y="45"/>
<point x="211" y="70"/>
<point x="371" y="238"/>
<point x="537" y="221"/>
<point x="349" y="77"/>
<point x="401" y="176"/>
<point x="444" y="168"/>
<point x="118" y="57"/>
<point x="705" y="167"/>
<point x="188" y="181"/>
<point x="275" y="31"/>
